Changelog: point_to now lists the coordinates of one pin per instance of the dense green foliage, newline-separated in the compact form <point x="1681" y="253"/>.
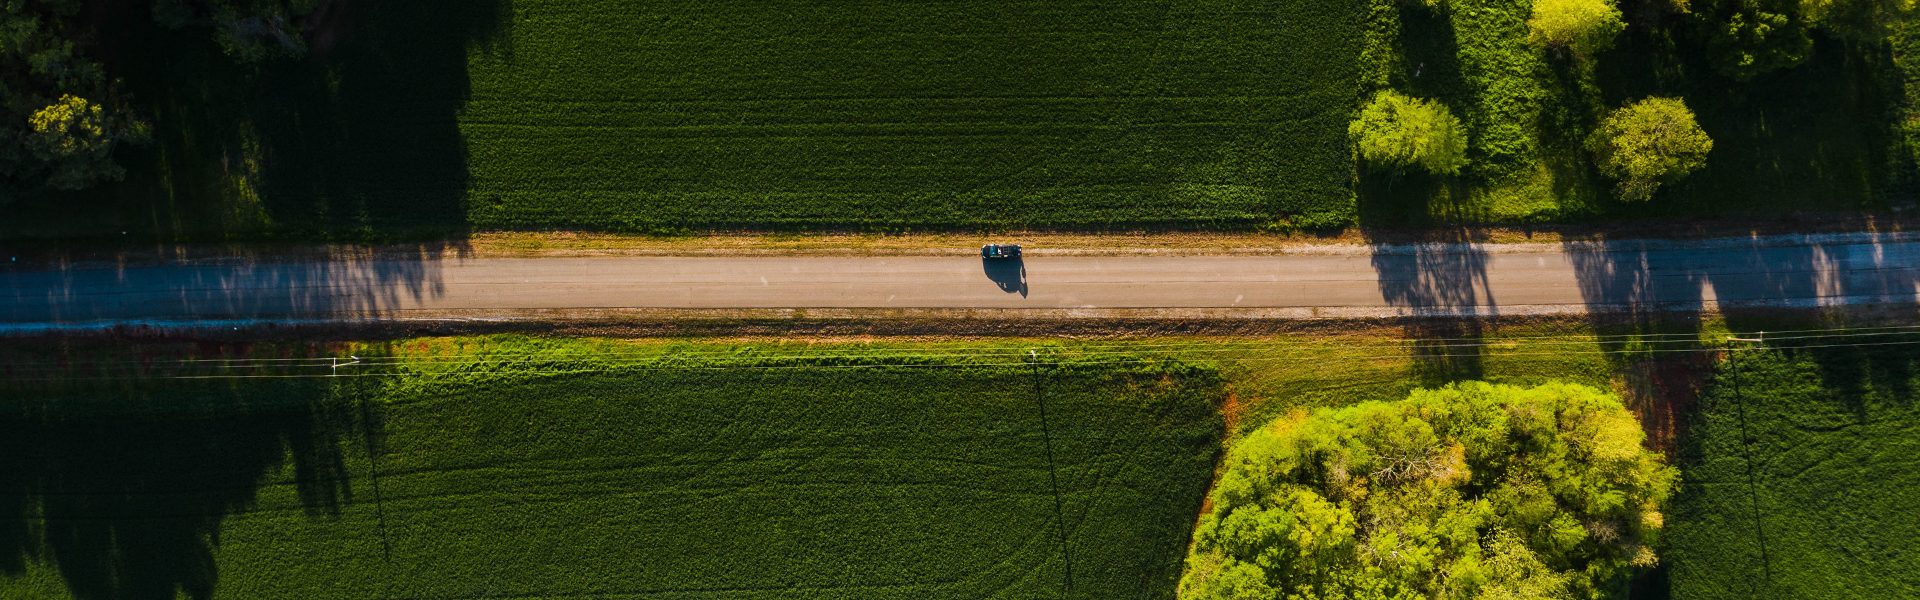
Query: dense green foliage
<point x="1398" y="132"/>
<point x="60" y="115"/>
<point x="1648" y="143"/>
<point x="1798" y="480"/>
<point x="1473" y="490"/>
<point x="688" y="475"/>
<point x="1746" y="38"/>
<point x="1581" y="26"/>
<point x="248" y="30"/>
<point x="1865" y="21"/>
<point x="1810" y="130"/>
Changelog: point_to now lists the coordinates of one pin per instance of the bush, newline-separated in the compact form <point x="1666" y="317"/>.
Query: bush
<point x="1648" y="143"/>
<point x="1397" y="132"/>
<point x="1581" y="26"/>
<point x="1473" y="490"/>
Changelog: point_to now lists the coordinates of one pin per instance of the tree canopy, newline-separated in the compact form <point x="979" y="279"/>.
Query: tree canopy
<point x="1396" y="131"/>
<point x="1746" y="38"/>
<point x="248" y="30"/>
<point x="1581" y="26"/>
<point x="1649" y="143"/>
<point x="1474" y="490"/>
<point x="62" y="116"/>
<point x="1868" y="21"/>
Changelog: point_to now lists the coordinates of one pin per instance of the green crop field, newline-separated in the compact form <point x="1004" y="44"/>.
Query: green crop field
<point x="483" y="114"/>
<point x="686" y="475"/>
<point x="1798" y="479"/>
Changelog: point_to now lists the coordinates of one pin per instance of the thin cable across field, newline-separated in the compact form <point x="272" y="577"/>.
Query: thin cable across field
<point x="655" y="364"/>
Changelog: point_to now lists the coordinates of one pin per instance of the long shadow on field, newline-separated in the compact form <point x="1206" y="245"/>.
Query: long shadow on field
<point x="122" y="491"/>
<point x="1442" y="284"/>
<point x="357" y="140"/>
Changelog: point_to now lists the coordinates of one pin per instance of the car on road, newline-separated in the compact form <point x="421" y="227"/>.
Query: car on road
<point x="995" y="251"/>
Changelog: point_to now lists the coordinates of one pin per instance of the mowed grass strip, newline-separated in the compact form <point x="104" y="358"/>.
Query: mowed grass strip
<point x="925" y="481"/>
<point x="890" y="113"/>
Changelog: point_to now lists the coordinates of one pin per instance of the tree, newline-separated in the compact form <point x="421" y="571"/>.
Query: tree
<point x="1863" y="21"/>
<point x="1649" y="143"/>
<point x="1584" y="27"/>
<point x="60" y="116"/>
<point x="1747" y="38"/>
<point x="248" y="30"/>
<point x="1471" y="491"/>
<point x="1395" y="131"/>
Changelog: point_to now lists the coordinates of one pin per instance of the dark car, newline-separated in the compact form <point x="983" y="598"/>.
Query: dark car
<point x="1000" y="251"/>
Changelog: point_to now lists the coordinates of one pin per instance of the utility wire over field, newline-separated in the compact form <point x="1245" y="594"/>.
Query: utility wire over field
<point x="612" y="360"/>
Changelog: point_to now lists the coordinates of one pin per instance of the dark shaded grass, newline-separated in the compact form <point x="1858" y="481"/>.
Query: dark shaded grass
<point x="748" y="483"/>
<point x="1799" y="479"/>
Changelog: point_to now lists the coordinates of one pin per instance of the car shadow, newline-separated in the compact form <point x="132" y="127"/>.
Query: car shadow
<point x="1008" y="273"/>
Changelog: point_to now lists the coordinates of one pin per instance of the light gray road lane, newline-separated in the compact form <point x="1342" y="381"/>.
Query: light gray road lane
<point x="1401" y="278"/>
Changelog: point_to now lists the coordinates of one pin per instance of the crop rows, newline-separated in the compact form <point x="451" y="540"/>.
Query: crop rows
<point x="1798" y="480"/>
<point x="698" y="483"/>
<point x="794" y="114"/>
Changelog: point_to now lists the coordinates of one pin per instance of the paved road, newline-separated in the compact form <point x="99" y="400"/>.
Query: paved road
<point x="1480" y="280"/>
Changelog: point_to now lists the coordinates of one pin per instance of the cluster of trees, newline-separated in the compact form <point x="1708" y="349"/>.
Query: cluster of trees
<point x="1646" y="143"/>
<point x="1471" y="491"/>
<point x="1642" y="145"/>
<point x="62" y="116"/>
<point x="1747" y="38"/>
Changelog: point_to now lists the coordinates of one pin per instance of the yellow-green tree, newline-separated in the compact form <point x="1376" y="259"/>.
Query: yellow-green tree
<point x="1471" y="491"/>
<point x="1583" y="27"/>
<point x="1649" y="143"/>
<point x="1396" y="132"/>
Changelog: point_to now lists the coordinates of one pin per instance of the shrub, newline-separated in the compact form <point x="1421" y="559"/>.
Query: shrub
<point x="1649" y="143"/>
<point x="1397" y="132"/>
<point x="1473" y="490"/>
<point x="1581" y="26"/>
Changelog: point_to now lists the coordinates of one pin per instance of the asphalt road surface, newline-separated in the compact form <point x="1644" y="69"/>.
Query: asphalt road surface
<point x="1441" y="279"/>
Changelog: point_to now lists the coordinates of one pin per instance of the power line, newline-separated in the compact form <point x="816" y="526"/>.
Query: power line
<point x="1657" y="338"/>
<point x="1119" y="349"/>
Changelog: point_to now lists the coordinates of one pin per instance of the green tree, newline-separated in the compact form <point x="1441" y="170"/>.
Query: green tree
<point x="1395" y="131"/>
<point x="1865" y="21"/>
<point x="1649" y="143"/>
<point x="1471" y="491"/>
<point x="248" y="30"/>
<point x="60" y="116"/>
<point x="1581" y="26"/>
<point x="1747" y="38"/>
